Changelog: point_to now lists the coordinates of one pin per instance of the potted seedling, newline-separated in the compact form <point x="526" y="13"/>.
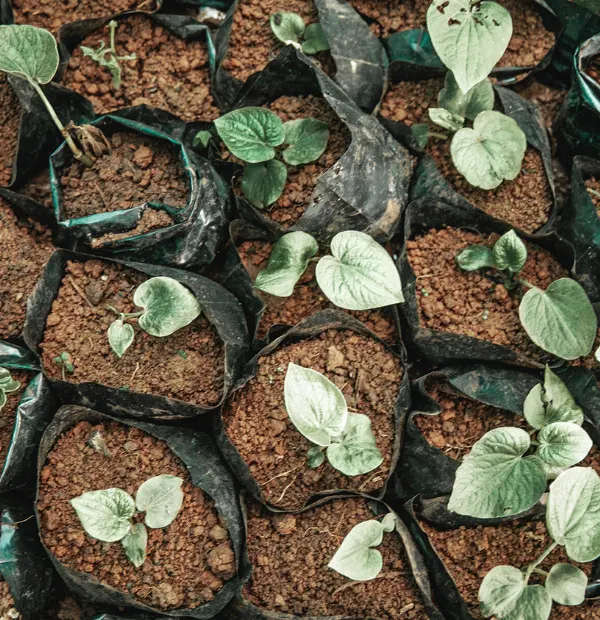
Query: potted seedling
<point x="291" y="29"/>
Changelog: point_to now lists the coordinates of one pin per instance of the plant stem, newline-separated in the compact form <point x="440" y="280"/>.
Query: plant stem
<point x="112" y="27"/>
<point x="526" y="283"/>
<point x="440" y="136"/>
<point x="533" y="566"/>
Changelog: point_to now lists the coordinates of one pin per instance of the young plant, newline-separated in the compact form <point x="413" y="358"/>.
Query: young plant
<point x="107" y="514"/>
<point x="359" y="274"/>
<point x="167" y="306"/>
<point x="65" y="362"/>
<point x="108" y="57"/>
<point x="561" y="320"/>
<point x="290" y="29"/>
<point x="318" y="410"/>
<point x="7" y="385"/>
<point x="507" y="470"/>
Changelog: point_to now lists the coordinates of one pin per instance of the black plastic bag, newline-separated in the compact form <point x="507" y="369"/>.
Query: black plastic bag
<point x="221" y="309"/>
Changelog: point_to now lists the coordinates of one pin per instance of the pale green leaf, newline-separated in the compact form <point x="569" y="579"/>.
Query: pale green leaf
<point x="479" y="99"/>
<point x="388" y="523"/>
<point x="475" y="257"/>
<point x="134" y="544"/>
<point x="7" y="383"/>
<point x="287" y="27"/>
<point x="315" y="39"/>
<point x="448" y="120"/>
<point x="161" y="499"/>
<point x="28" y="52"/>
<point x="566" y="584"/>
<point x="120" y="336"/>
<point x="534" y="408"/>
<point x="3" y="398"/>
<point x="203" y="138"/>
<point x="510" y="253"/>
<point x="597" y="354"/>
<point x="500" y="590"/>
<point x="355" y="452"/>
<point x="307" y="139"/>
<point x="263" y="184"/>
<point x="315" y="457"/>
<point x="563" y="444"/>
<point x="106" y="514"/>
<point x="534" y="603"/>
<point x="355" y="558"/>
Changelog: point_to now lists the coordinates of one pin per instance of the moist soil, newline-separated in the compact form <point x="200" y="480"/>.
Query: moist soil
<point x="7" y="603"/>
<point x="25" y="246"/>
<point x="188" y="365"/>
<point x="302" y="180"/>
<point x="256" y="421"/>
<point x="10" y="117"/>
<point x="168" y="73"/>
<point x="528" y="46"/>
<point x="593" y="188"/>
<point x="186" y="562"/>
<point x="307" y="298"/>
<point x="409" y="102"/>
<point x="290" y="553"/>
<point x="8" y="412"/>
<point x="252" y="44"/>
<point x="469" y="553"/>
<point x="473" y="303"/>
<point x="547" y="99"/>
<point x="37" y="187"/>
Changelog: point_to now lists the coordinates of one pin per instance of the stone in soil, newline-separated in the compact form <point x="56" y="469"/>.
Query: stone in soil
<point x="10" y="117"/>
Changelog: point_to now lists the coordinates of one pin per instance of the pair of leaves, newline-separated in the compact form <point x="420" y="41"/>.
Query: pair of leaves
<point x="318" y="410"/>
<point x="7" y="385"/>
<point x="509" y="254"/>
<point x="359" y="274"/>
<point x="290" y="29"/>
<point x="28" y="52"/>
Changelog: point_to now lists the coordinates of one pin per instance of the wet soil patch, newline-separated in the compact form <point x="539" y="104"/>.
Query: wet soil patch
<point x="307" y="298"/>
<point x="409" y="102"/>
<point x="593" y="188"/>
<point x="257" y="423"/>
<point x="7" y="603"/>
<point x="290" y="553"/>
<point x="547" y="99"/>
<point x="7" y="413"/>
<point x="25" y="246"/>
<point x="10" y="117"/>
<point x="188" y="365"/>
<point x="472" y="303"/>
<point x="186" y="563"/>
<point x="169" y="73"/>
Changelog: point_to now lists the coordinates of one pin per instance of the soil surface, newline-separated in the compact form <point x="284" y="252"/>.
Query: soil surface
<point x="472" y="303"/>
<point x="186" y="562"/>
<point x="547" y="99"/>
<point x="7" y="603"/>
<point x="290" y="553"/>
<point x="8" y="412"/>
<point x="151" y="219"/>
<point x="168" y="73"/>
<point x="138" y="169"/>
<point x="188" y="365"/>
<point x="25" y="246"/>
<point x="528" y="46"/>
<point x="470" y="553"/>
<point x="10" y="117"/>
<point x="409" y="102"/>
<point x="257" y="423"/>
<point x="252" y="44"/>
<point x="307" y="298"/>
<point x="37" y="187"/>
<point x="593" y="187"/>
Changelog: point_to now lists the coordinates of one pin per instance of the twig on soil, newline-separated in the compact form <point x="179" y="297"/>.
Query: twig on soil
<point x="287" y="487"/>
<point x="285" y="473"/>
<point x="137" y="367"/>
<point x="99" y="190"/>
<point x="81" y="293"/>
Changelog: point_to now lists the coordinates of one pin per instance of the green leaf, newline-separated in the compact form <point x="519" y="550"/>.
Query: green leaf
<point x="105" y="515"/>
<point x="469" y="37"/>
<point x="288" y="261"/>
<point x="421" y="133"/>
<point x="566" y="584"/>
<point x="475" y="257"/>
<point x="534" y="603"/>
<point x="315" y="457"/>
<point x="355" y="452"/>
<point x="355" y="558"/>
<point x="315" y="405"/>
<point x="7" y="383"/>
<point x="307" y="139"/>
<point x="315" y="39"/>
<point x="28" y="52"/>
<point x="203" y="138"/>
<point x="134" y="544"/>
<point x="251" y="133"/>
<point x="495" y="479"/>
<point x="510" y="253"/>
<point x="573" y="513"/>
<point x="448" y="120"/>
<point x="287" y="27"/>
<point x="262" y="184"/>
<point x="120" y="337"/>
<point x="388" y="523"/>
<point x="3" y="399"/>
<point x="160" y="498"/>
<point x="491" y="152"/>
<point x="500" y="590"/>
<point x="479" y="98"/>
<point x="168" y="306"/>
<point x="563" y="444"/>
<point x="360" y="275"/>
<point x="560" y="320"/>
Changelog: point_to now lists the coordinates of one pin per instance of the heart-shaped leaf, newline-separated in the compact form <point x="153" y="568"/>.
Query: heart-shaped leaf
<point x="120" y="336"/>
<point x="288" y="27"/>
<point x="388" y="523"/>
<point x="28" y="52"/>
<point x="475" y="257"/>
<point x="106" y="514"/>
<point x="7" y="383"/>
<point x="203" y="138"/>
<point x="134" y="544"/>
<point x="160" y="498"/>
<point x="479" y="98"/>
<point x="315" y="39"/>
<point x="307" y="139"/>
<point x="263" y="184"/>
<point x="448" y="120"/>
<point x="500" y="590"/>
<point x="563" y="444"/>
<point x="535" y="603"/>
<point x="566" y="584"/>
<point x="315" y="456"/>
<point x="510" y="253"/>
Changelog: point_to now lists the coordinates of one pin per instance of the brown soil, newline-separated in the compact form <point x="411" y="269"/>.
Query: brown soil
<point x="10" y="117"/>
<point x="593" y="69"/>
<point x="138" y="169"/>
<point x="8" y="412"/>
<point x="470" y="553"/>
<point x="529" y="44"/>
<point x="186" y="563"/>
<point x="547" y="99"/>
<point x="188" y="365"/>
<point x="290" y="553"/>
<point x="252" y="44"/>
<point x="257" y="423"/>
<point x="409" y="102"/>
<point x="7" y="603"/>
<point x="37" y="187"/>
<point x="25" y="246"/>
<point x="307" y="298"/>
<point x="590" y="362"/>
<point x="168" y="73"/>
<point x="52" y="14"/>
<point x="471" y="303"/>
<point x="152" y="219"/>
<point x="593" y="187"/>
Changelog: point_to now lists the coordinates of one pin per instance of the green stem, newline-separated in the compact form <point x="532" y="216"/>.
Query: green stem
<point x="533" y="566"/>
<point x="526" y="283"/>
<point x="112" y="27"/>
<point x="440" y="136"/>
<point x="130" y="315"/>
<point x="539" y="571"/>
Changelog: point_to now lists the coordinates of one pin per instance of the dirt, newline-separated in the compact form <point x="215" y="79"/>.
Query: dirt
<point x="472" y="303"/>
<point x="470" y="553"/>
<point x="37" y="187"/>
<point x="8" y="412"/>
<point x="593" y="188"/>
<point x="593" y="69"/>
<point x="257" y="423"/>
<point x="188" y="365"/>
<point x="547" y="99"/>
<point x="528" y="46"/>
<point x="168" y="73"/>
<point x="290" y="553"/>
<point x="307" y="298"/>
<point x="151" y="219"/>
<point x="138" y="169"/>
<point x="10" y="118"/>
<point x="409" y="102"/>
<point x="7" y="603"/>
<point x="25" y="246"/>
<point x="186" y="562"/>
<point x="252" y="44"/>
